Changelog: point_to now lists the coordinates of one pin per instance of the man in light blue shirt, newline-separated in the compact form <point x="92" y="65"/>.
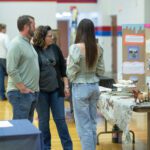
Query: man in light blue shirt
<point x="23" y="71"/>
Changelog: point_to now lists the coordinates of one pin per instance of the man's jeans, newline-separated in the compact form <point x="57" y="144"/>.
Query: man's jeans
<point x="52" y="101"/>
<point x="2" y="81"/>
<point x="85" y="97"/>
<point x="23" y="104"/>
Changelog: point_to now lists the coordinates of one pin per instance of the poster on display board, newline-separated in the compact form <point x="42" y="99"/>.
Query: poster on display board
<point x="133" y="52"/>
<point x="133" y="39"/>
<point x="133" y="68"/>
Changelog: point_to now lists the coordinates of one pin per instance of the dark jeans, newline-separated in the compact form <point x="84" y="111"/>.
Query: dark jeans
<point x="23" y="104"/>
<point x="52" y="101"/>
<point x="2" y="78"/>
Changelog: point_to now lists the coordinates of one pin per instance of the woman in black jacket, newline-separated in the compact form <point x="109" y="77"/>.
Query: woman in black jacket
<point x="53" y="87"/>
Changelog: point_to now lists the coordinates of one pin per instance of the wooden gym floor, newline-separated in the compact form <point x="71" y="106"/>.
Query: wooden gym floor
<point x="138" y="124"/>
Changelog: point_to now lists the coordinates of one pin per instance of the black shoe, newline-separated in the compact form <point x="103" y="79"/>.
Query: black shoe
<point x="3" y="99"/>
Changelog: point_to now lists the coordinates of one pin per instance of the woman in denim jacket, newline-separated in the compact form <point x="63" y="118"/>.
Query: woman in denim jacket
<point x="84" y="67"/>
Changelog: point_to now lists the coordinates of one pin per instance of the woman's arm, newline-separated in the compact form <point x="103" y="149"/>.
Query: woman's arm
<point x="62" y="67"/>
<point x="73" y="62"/>
<point x="66" y="87"/>
<point x="100" y="69"/>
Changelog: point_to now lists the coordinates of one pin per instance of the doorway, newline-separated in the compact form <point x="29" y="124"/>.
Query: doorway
<point x="63" y="29"/>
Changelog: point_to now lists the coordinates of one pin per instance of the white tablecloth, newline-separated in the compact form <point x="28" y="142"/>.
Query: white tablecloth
<point x="117" y="110"/>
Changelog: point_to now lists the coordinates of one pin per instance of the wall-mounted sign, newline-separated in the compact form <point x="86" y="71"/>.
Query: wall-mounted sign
<point x="76" y="1"/>
<point x="28" y="0"/>
<point x="59" y="1"/>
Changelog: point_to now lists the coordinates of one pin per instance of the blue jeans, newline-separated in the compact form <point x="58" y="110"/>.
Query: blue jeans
<point x="2" y="82"/>
<point x="52" y="101"/>
<point x="23" y="104"/>
<point x="85" y="97"/>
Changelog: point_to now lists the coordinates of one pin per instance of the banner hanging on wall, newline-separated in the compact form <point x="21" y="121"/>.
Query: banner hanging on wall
<point x="58" y="1"/>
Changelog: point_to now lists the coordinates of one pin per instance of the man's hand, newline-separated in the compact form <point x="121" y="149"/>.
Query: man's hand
<point x="23" y="89"/>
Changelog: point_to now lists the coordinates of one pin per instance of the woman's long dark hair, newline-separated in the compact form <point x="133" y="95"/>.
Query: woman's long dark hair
<point x="86" y="34"/>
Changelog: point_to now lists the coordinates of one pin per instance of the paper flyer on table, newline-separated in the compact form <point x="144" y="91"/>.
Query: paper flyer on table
<point x="5" y="124"/>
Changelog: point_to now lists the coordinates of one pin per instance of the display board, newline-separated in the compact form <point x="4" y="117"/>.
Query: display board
<point x="147" y="52"/>
<point x="133" y="66"/>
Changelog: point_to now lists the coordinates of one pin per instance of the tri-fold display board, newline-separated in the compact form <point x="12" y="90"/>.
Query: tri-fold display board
<point x="136" y="53"/>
